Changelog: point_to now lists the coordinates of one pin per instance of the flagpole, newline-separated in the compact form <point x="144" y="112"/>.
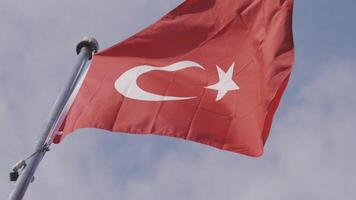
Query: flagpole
<point x="85" y="49"/>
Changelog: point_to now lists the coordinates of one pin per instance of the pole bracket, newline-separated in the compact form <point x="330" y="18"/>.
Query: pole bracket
<point x="20" y="165"/>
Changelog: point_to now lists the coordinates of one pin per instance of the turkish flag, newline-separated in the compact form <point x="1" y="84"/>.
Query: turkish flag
<point x="210" y="71"/>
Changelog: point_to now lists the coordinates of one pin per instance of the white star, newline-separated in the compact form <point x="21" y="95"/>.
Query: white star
<point x="225" y="83"/>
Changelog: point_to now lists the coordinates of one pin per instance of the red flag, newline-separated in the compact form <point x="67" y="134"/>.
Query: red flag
<point x="210" y="71"/>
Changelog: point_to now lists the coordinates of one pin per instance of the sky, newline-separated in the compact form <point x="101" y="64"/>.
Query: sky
<point x="309" y="155"/>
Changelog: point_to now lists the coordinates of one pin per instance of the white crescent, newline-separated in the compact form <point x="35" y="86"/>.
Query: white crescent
<point x="126" y="84"/>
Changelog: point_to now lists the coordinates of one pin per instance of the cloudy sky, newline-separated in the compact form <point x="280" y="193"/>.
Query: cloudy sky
<point x="310" y="153"/>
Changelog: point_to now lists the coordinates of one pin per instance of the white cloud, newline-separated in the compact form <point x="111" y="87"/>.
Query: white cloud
<point x="310" y="153"/>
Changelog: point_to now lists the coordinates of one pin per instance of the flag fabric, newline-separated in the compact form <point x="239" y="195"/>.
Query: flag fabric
<point x="210" y="71"/>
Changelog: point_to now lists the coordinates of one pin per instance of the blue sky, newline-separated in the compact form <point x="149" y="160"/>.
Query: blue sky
<point x="309" y="154"/>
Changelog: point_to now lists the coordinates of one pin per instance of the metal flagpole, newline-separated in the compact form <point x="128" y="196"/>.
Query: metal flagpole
<point x="85" y="49"/>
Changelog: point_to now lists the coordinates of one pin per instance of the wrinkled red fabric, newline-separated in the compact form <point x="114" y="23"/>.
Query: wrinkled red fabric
<point x="256" y="35"/>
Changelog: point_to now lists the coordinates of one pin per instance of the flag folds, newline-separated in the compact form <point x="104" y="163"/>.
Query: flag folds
<point x="210" y="71"/>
